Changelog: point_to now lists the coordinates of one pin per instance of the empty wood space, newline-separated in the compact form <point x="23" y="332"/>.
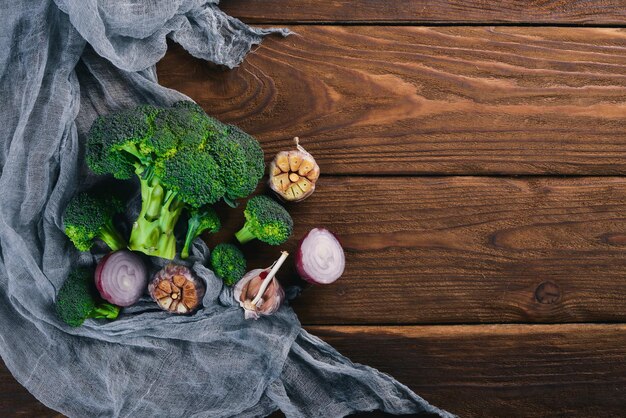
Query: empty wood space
<point x="436" y="100"/>
<point x="473" y="156"/>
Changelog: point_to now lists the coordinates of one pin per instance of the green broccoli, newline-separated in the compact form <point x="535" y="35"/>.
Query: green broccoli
<point x="183" y="158"/>
<point x="89" y="216"/>
<point x="241" y="158"/>
<point x="78" y="300"/>
<point x="266" y="220"/>
<point x="228" y="263"/>
<point x="200" y="220"/>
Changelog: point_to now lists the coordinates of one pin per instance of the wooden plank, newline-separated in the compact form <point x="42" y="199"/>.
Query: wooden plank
<point x="15" y="401"/>
<point x="439" y="100"/>
<point x="497" y="371"/>
<point x="474" y="371"/>
<point x="463" y="250"/>
<point x="585" y="12"/>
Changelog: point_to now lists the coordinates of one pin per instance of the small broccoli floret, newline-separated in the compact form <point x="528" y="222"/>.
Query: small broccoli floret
<point x="242" y="162"/>
<point x="200" y="220"/>
<point x="228" y="263"/>
<point x="266" y="220"/>
<point x="89" y="216"/>
<point x="78" y="300"/>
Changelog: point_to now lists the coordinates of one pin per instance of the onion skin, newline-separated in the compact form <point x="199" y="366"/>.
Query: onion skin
<point x="305" y="273"/>
<point x="110" y="281"/>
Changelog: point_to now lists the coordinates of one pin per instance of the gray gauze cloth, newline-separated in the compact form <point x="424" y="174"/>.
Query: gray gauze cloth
<point x="62" y="63"/>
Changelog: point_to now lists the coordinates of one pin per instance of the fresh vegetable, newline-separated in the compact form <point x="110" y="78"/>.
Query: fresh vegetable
<point x="266" y="220"/>
<point x="183" y="158"/>
<point x="293" y="174"/>
<point x="320" y="258"/>
<point x="78" y="300"/>
<point x="200" y="220"/>
<point x="228" y="263"/>
<point x="176" y="289"/>
<point x="121" y="278"/>
<point x="259" y="292"/>
<point x="89" y="216"/>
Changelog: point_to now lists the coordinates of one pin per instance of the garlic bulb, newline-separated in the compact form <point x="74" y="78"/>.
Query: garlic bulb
<point x="175" y="289"/>
<point x="293" y="174"/>
<point x="259" y="292"/>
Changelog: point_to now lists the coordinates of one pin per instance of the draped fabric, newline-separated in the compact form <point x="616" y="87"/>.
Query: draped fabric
<point x="62" y="63"/>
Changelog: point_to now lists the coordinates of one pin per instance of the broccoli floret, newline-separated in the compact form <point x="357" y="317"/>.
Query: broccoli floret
<point x="183" y="158"/>
<point x="266" y="220"/>
<point x="78" y="300"/>
<point x="89" y="216"/>
<point x="241" y="159"/>
<point x="228" y="263"/>
<point x="200" y="220"/>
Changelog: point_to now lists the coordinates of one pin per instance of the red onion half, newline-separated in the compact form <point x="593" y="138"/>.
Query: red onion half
<point x="121" y="278"/>
<point x="320" y="258"/>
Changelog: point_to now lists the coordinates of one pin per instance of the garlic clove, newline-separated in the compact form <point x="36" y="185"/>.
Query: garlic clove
<point x="295" y="159"/>
<point x="165" y="286"/>
<point x="165" y="302"/>
<point x="306" y="166"/>
<point x="275" y="170"/>
<point x="293" y="174"/>
<point x="314" y="174"/>
<point x="282" y="161"/>
<point x="281" y="181"/>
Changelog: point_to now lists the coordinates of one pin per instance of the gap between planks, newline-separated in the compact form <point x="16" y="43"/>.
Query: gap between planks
<point x="424" y="12"/>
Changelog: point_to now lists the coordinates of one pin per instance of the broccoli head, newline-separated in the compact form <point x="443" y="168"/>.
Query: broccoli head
<point x="228" y="263"/>
<point x="183" y="158"/>
<point x="200" y="220"/>
<point x="266" y="220"/>
<point x="89" y="216"/>
<point x="78" y="300"/>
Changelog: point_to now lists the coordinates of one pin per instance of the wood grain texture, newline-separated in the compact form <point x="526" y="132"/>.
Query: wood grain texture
<point x="474" y="371"/>
<point x="587" y="12"/>
<point x="415" y="100"/>
<point x="499" y="371"/>
<point x="463" y="250"/>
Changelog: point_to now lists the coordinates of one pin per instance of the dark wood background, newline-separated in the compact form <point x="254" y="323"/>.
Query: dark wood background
<point x="473" y="156"/>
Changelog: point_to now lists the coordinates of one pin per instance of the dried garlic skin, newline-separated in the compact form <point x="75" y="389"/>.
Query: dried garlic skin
<point x="293" y="174"/>
<point x="176" y="289"/>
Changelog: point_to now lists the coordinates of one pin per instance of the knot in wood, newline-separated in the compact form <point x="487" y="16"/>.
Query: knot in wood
<point x="547" y="292"/>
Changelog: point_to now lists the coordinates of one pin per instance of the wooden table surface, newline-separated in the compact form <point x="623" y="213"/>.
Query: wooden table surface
<point x="473" y="157"/>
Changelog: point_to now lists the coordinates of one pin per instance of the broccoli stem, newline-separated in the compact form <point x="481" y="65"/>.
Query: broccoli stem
<point x="192" y="233"/>
<point x="244" y="235"/>
<point x="111" y="237"/>
<point x="153" y="231"/>
<point x="105" y="310"/>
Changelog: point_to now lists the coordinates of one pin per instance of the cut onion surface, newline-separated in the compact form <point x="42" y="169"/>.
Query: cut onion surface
<point x="320" y="258"/>
<point x="121" y="278"/>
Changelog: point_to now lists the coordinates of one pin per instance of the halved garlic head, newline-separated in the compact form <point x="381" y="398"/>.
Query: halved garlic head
<point x="293" y="174"/>
<point x="176" y="289"/>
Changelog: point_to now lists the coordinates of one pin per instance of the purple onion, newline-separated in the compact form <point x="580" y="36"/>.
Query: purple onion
<point x="121" y="278"/>
<point x="320" y="258"/>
